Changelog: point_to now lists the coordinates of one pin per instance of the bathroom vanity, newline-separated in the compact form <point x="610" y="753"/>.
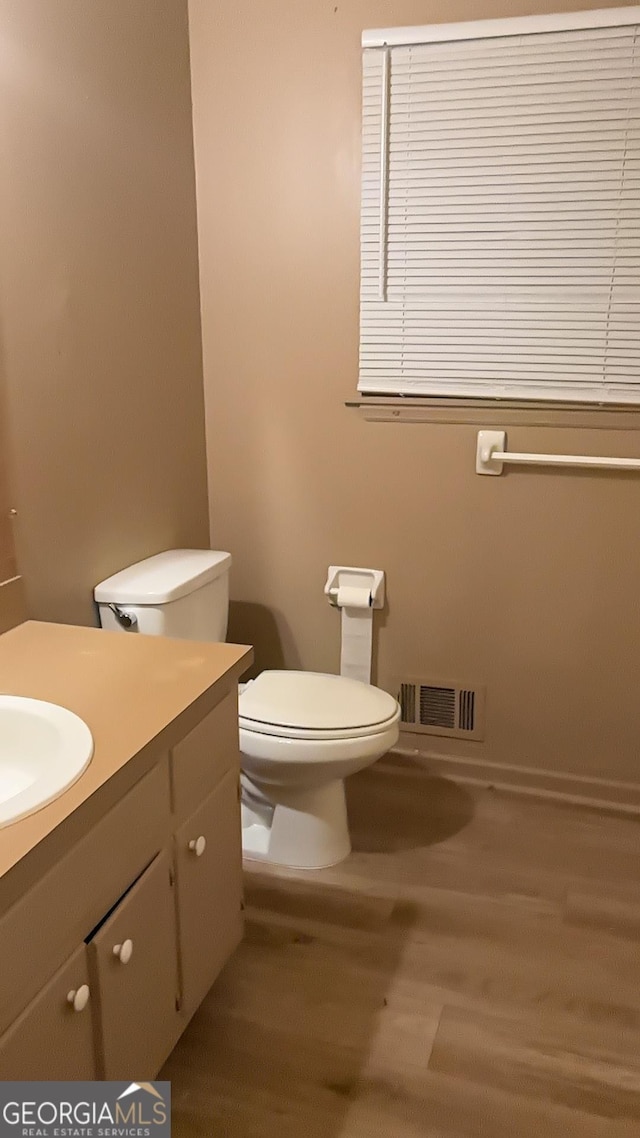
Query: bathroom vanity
<point x="121" y="900"/>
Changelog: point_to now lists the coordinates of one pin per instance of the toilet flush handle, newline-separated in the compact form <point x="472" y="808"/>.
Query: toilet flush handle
<point x="127" y="620"/>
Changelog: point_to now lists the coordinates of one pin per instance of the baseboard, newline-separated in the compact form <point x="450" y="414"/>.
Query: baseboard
<point x="13" y="608"/>
<point x="562" y="786"/>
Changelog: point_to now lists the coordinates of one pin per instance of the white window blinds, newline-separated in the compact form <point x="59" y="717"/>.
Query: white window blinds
<point x="501" y="212"/>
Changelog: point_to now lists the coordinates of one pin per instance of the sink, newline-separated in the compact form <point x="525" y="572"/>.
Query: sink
<point x="43" y="750"/>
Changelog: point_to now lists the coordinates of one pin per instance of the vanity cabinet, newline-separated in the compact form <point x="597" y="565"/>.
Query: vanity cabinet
<point x="53" y="1038"/>
<point x="106" y="957"/>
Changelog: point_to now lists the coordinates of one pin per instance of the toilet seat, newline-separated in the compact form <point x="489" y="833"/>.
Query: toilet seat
<point x="315" y="706"/>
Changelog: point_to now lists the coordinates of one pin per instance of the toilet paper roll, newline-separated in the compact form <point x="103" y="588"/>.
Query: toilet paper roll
<point x="357" y="632"/>
<point x="354" y="597"/>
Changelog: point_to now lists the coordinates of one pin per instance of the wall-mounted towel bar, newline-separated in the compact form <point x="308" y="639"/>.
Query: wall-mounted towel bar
<point x="491" y="454"/>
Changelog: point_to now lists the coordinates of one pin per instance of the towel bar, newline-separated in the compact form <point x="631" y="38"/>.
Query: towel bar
<point x="491" y="454"/>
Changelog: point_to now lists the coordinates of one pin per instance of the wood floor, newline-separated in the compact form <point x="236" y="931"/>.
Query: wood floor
<point x="473" y="969"/>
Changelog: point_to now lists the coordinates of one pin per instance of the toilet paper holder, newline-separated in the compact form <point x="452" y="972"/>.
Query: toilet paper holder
<point x="350" y="576"/>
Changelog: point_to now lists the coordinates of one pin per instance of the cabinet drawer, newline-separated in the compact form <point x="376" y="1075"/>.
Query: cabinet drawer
<point x="199" y="761"/>
<point x="51" y="1040"/>
<point x="45" y="925"/>
<point x="134" y="973"/>
<point x="209" y="890"/>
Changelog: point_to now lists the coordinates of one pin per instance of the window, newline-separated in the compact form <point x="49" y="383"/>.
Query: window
<point x="500" y="252"/>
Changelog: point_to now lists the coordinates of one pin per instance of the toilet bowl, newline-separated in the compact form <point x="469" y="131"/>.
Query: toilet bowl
<point x="301" y="735"/>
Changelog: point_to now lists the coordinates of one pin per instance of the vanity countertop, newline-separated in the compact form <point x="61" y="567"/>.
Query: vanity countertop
<point x="136" y="693"/>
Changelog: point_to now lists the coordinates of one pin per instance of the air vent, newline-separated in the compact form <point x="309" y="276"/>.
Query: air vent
<point x="442" y="709"/>
<point x="437" y="707"/>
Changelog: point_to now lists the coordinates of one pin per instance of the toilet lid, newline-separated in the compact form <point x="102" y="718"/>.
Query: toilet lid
<point x="314" y="701"/>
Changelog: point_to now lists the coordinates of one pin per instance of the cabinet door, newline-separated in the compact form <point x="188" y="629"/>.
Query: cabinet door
<point x="53" y="1037"/>
<point x="209" y="890"/>
<point x="133" y="964"/>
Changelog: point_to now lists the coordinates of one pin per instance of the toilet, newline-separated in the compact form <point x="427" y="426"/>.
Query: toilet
<point x="301" y="733"/>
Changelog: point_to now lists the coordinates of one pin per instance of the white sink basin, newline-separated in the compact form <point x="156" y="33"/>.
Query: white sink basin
<point x="43" y="750"/>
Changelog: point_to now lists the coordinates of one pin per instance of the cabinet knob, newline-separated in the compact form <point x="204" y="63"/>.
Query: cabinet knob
<point x="123" y="951"/>
<point x="78" y="997"/>
<point x="198" y="845"/>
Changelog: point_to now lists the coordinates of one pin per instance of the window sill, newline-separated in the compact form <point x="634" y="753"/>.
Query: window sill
<point x="496" y="413"/>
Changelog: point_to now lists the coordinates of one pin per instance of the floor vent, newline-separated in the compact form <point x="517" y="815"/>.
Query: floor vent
<point x="442" y="709"/>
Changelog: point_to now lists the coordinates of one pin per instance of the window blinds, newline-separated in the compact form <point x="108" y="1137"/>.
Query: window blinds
<point x="500" y="242"/>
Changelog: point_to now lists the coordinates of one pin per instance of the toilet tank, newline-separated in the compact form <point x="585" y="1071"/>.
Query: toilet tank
<point x="182" y="593"/>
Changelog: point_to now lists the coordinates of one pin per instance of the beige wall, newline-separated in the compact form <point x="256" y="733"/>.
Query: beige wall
<point x="7" y="552"/>
<point x="99" y="306"/>
<point x="12" y="602"/>
<point x="528" y="583"/>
